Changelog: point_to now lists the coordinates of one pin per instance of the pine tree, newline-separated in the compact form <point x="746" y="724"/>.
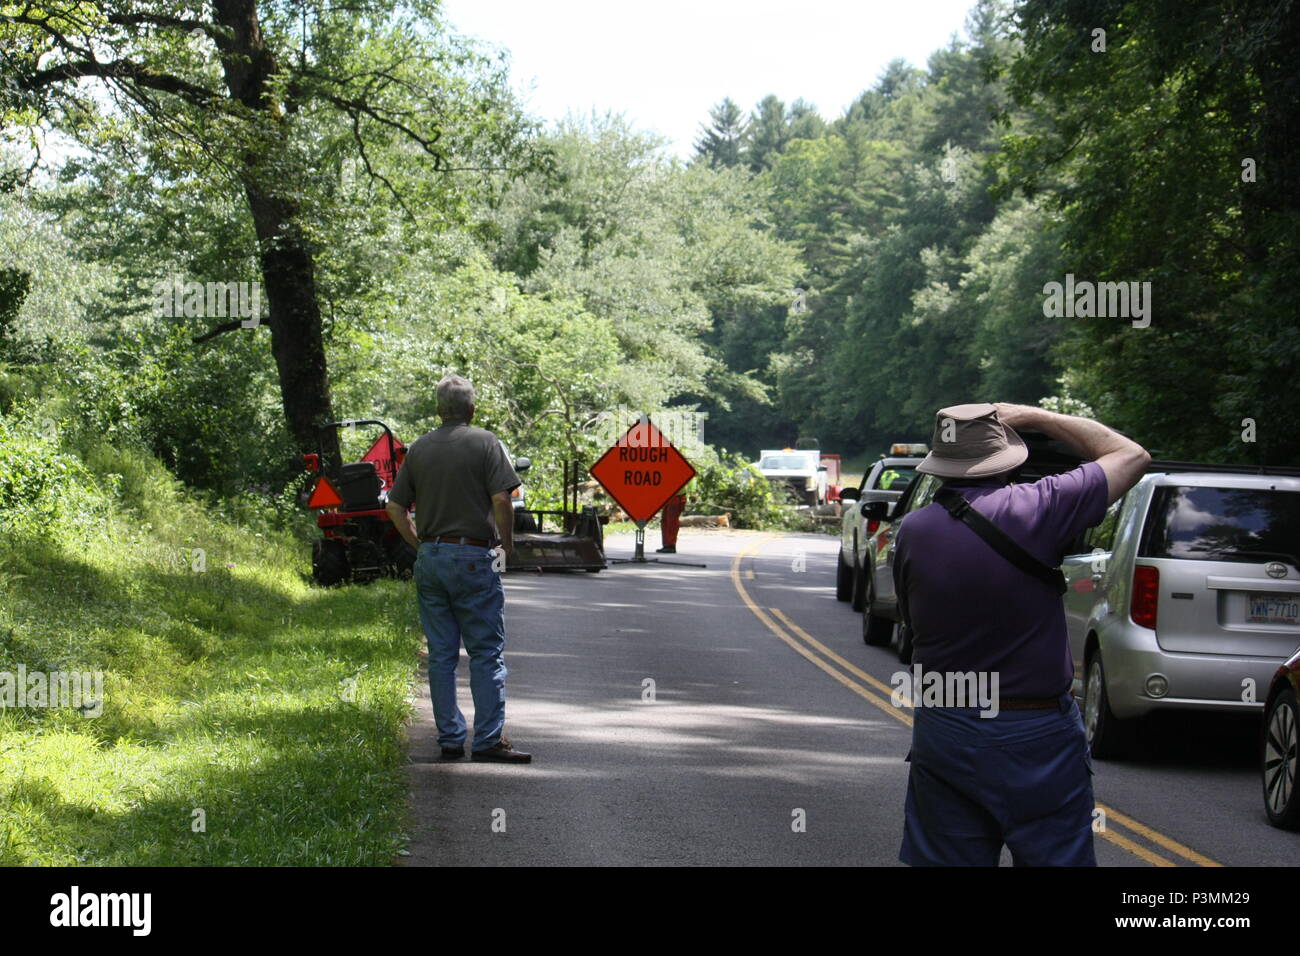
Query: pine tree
<point x="720" y="141"/>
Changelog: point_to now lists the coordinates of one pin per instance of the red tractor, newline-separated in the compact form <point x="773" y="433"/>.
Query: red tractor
<point x="359" y="541"/>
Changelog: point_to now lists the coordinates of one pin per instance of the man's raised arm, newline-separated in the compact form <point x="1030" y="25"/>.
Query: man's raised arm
<point x="1123" y="460"/>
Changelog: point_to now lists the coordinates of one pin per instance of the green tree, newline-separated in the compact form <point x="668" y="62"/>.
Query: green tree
<point x="1172" y="158"/>
<point x="721" y="141"/>
<point x="769" y="131"/>
<point x="265" y="96"/>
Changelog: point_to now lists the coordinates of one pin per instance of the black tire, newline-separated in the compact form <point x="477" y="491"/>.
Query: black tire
<point x="859" y="599"/>
<point x="1278" y="760"/>
<point x="843" y="580"/>
<point x="877" y="630"/>
<point x="329" y="563"/>
<point x="905" y="647"/>
<point x="1108" y="736"/>
<point x="524" y="521"/>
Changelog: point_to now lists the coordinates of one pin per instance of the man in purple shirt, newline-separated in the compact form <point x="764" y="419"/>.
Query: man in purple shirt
<point x="1013" y="770"/>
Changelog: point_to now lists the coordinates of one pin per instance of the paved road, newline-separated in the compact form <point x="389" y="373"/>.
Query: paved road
<point x="768" y="738"/>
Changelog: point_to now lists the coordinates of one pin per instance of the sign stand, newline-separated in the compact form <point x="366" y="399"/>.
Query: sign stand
<point x="641" y="473"/>
<point x="639" y="557"/>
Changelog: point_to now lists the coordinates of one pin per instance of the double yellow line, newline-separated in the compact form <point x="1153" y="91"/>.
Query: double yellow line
<point x="871" y="690"/>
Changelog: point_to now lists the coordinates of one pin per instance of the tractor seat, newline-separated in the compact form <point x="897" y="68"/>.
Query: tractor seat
<point x="359" y="486"/>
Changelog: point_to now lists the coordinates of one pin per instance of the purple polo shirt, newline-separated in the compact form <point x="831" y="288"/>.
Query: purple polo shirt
<point x="972" y="610"/>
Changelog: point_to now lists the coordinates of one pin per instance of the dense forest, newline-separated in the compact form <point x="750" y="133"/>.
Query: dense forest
<point x="369" y="175"/>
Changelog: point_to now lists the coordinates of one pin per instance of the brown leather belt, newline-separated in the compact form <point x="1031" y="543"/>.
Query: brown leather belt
<point x="445" y="540"/>
<point x="1029" y="703"/>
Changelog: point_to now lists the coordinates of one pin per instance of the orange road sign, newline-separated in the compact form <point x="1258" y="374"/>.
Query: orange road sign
<point x="642" y="471"/>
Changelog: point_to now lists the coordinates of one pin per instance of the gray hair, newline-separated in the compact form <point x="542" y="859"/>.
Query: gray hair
<point x="455" y="397"/>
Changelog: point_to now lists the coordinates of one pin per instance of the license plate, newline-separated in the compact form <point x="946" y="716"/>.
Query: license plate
<point x="1272" y="609"/>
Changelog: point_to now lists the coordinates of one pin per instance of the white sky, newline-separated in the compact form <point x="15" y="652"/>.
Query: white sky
<point x="665" y="63"/>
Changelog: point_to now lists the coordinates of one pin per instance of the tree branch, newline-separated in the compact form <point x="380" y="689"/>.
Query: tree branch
<point x="122" y="70"/>
<point x="223" y="327"/>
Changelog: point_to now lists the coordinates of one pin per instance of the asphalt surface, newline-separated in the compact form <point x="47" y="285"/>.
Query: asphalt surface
<point x="769" y="738"/>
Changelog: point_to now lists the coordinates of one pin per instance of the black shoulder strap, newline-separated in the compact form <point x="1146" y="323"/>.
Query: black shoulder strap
<point x="961" y="509"/>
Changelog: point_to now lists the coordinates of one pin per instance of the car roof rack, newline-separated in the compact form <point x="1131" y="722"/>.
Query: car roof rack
<point x="1220" y="469"/>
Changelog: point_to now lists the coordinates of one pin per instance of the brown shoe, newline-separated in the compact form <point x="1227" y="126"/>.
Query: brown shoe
<point x="502" y="752"/>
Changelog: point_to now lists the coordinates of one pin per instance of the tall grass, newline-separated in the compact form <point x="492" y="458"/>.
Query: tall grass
<point x="248" y="717"/>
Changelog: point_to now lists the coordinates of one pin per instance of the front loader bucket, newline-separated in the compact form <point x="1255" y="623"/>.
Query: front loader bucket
<point x="580" y="546"/>
<point x="535" y="551"/>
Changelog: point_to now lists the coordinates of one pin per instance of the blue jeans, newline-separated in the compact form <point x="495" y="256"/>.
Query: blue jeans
<point x="1023" y="778"/>
<point x="461" y="598"/>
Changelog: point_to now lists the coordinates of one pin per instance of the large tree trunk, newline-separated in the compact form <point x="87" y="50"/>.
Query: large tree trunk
<point x="288" y="268"/>
<point x="289" y="278"/>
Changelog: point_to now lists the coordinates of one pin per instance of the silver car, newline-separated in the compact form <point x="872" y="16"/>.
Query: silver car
<point x="886" y="481"/>
<point x="1186" y="596"/>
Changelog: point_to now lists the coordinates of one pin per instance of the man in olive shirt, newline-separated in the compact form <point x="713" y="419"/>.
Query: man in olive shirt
<point x="460" y="481"/>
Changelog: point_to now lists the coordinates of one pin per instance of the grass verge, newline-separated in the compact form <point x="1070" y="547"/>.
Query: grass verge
<point x="247" y="717"/>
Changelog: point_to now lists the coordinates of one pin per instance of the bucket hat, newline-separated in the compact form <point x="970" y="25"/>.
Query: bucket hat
<point x="971" y="442"/>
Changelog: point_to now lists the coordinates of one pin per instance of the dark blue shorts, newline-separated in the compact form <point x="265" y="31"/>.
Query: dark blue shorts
<point x="1022" y="778"/>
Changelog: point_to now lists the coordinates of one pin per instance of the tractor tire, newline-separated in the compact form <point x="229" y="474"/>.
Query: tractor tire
<point x="401" y="558"/>
<point x="329" y="563"/>
<point x="525" y="522"/>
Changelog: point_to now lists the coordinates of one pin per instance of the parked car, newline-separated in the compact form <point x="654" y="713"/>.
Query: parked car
<point x="1277" y="755"/>
<point x="1185" y="597"/>
<point x="880" y="616"/>
<point x="886" y="481"/>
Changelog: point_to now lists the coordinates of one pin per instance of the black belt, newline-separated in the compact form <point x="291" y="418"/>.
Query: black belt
<point x="445" y="540"/>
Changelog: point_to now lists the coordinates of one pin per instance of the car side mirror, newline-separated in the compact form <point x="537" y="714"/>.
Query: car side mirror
<point x="523" y="464"/>
<point x="848" y="494"/>
<point x="876" y="510"/>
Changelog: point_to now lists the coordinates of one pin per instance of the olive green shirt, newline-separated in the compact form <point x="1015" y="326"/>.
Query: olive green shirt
<point x="451" y="474"/>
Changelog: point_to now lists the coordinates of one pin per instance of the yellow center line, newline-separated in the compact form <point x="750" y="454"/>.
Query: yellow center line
<point x="766" y="617"/>
<point x="874" y="682"/>
<point x="1187" y="853"/>
<point x="799" y="648"/>
<point x="1139" y="851"/>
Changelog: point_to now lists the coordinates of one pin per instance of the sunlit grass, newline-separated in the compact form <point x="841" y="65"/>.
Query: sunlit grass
<point x="249" y="718"/>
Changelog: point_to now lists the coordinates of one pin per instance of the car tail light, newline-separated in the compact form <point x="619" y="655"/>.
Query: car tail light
<point x="311" y="462"/>
<point x="872" y="525"/>
<point x="1146" y="595"/>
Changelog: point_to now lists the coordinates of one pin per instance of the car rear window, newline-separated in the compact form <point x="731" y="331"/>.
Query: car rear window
<point x="894" y="478"/>
<point x="1223" y="524"/>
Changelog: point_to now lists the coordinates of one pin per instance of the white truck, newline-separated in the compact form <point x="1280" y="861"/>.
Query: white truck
<point x="799" y="470"/>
